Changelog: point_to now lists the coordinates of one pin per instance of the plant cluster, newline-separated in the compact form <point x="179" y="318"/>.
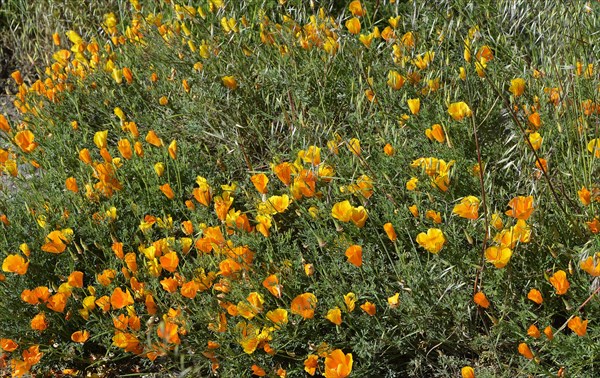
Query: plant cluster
<point x="280" y="189"/>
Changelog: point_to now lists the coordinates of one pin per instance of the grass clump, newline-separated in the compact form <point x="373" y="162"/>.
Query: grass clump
<point x="272" y="189"/>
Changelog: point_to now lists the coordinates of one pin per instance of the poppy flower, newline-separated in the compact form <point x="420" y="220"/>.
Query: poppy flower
<point x="260" y="182"/>
<point x="432" y="241"/>
<point x="467" y="208"/>
<point x="353" y="25"/>
<point x="304" y="305"/>
<point x="395" y="80"/>
<point x="560" y="282"/>
<point x="356" y="8"/>
<point x="350" y="301"/>
<point x="435" y="216"/>
<point x="271" y="283"/>
<point x="230" y="82"/>
<point x="535" y="120"/>
<point x="521" y="207"/>
<point x="258" y="371"/>
<point x="389" y="150"/>
<point x="354" y="146"/>
<point x="55" y="242"/>
<point x="359" y="216"/>
<point x="535" y="295"/>
<point x="80" y="336"/>
<point x="311" y="364"/>
<point x="277" y="204"/>
<point x="578" y="326"/>
<point x="167" y="191"/>
<point x="390" y="232"/>
<point x="412" y="184"/>
<point x="100" y="139"/>
<point x="189" y="289"/>
<point x="120" y="298"/>
<point x="172" y="149"/>
<point x="8" y="345"/>
<point x="467" y="372"/>
<point x="549" y="333"/>
<point x="338" y="365"/>
<point x="533" y="331"/>
<point x="481" y="300"/>
<point x="591" y="265"/>
<point x="585" y="196"/>
<point x="334" y="315"/>
<point x="170" y="285"/>
<point x="517" y="87"/>
<point x="342" y="211"/>
<point x="498" y="256"/>
<point x="15" y="264"/>
<point x="593" y="147"/>
<point x="369" y="308"/>
<point x="459" y="110"/>
<point x="525" y="351"/>
<point x="414" y="104"/>
<point x="75" y="279"/>
<point x="394" y="300"/>
<point x="124" y="147"/>
<point x="436" y="133"/>
<point x="153" y="139"/>
<point x="278" y="316"/>
<point x="24" y="139"/>
<point x="354" y="255"/>
<point x="536" y="140"/>
<point x="38" y="323"/>
<point x="4" y="126"/>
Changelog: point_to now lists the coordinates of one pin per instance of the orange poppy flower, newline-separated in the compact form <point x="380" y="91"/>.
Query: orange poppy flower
<point x="359" y="216"/>
<point x="278" y="316"/>
<point x="389" y="150"/>
<point x="354" y="255"/>
<point x="84" y="156"/>
<point x="4" y="126"/>
<point x="525" y="351"/>
<point x="467" y="372"/>
<point x="467" y="208"/>
<point x="353" y="25"/>
<point x="260" y="182"/>
<point x="395" y="80"/>
<point x="535" y="295"/>
<point x="517" y="87"/>
<point x="304" y="305"/>
<point x="335" y="316"/>
<point x="549" y="333"/>
<point x="459" y="110"/>
<point x="533" y="331"/>
<point x="338" y="365"/>
<point x="258" y="371"/>
<point x="71" y="184"/>
<point x="120" y="298"/>
<point x="414" y="104"/>
<point x="169" y="261"/>
<point x="15" y="264"/>
<point x="271" y="283"/>
<point x="153" y="139"/>
<point x="8" y="345"/>
<point x="432" y="241"/>
<point x="230" y="82"/>
<point x="350" y="301"/>
<point x="38" y="323"/>
<point x="55" y="242"/>
<point x="578" y="326"/>
<point x="390" y="232"/>
<point x="535" y="120"/>
<point x="311" y="364"/>
<point x="369" y="308"/>
<point x="75" y="279"/>
<point x="560" y="282"/>
<point x="591" y="265"/>
<point x="498" y="256"/>
<point x="594" y="226"/>
<point x="481" y="300"/>
<point x="124" y="147"/>
<point x="342" y="211"/>
<point x="436" y="133"/>
<point x="170" y="285"/>
<point x="190" y="289"/>
<point x="356" y="8"/>
<point x="103" y="303"/>
<point x="80" y="336"/>
<point x="521" y="207"/>
<point x="24" y="139"/>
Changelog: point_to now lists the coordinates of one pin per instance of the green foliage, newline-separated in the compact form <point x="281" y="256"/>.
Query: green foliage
<point x="310" y="94"/>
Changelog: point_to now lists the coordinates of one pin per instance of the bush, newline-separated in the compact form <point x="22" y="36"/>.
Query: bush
<point x="270" y="188"/>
